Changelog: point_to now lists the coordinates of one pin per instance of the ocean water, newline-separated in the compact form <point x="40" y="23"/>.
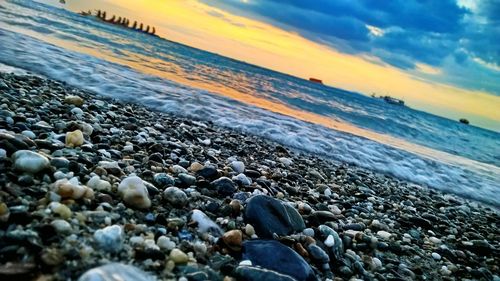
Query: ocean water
<point x="330" y="122"/>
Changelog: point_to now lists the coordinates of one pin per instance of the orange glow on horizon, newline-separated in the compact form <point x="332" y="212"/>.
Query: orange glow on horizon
<point x="205" y="27"/>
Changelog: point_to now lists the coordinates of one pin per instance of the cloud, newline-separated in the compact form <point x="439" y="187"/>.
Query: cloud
<point x="402" y="33"/>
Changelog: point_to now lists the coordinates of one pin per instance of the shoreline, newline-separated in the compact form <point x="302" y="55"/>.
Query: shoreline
<point x="388" y="228"/>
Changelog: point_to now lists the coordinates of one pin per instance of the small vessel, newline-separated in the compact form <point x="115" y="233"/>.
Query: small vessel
<point x="464" y="121"/>
<point x="315" y="80"/>
<point x="391" y="100"/>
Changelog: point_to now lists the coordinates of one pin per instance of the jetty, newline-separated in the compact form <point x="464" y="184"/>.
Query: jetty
<point x="121" y="21"/>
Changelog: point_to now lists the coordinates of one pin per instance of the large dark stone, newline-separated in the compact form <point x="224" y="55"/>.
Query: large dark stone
<point x="272" y="255"/>
<point x="208" y="172"/>
<point x="250" y="273"/>
<point x="268" y="215"/>
<point x="224" y="186"/>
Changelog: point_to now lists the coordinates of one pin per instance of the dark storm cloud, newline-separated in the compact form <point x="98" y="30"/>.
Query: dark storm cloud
<point x="414" y="31"/>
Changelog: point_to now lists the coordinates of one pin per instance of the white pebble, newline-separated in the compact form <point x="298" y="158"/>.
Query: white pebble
<point x="308" y="232"/>
<point x="238" y="166"/>
<point x="134" y="193"/>
<point x="329" y="242"/>
<point x="96" y="183"/>
<point x="436" y="256"/>
<point x="205" y="224"/>
<point x="384" y="234"/>
<point x="61" y="226"/>
<point x="109" y="238"/>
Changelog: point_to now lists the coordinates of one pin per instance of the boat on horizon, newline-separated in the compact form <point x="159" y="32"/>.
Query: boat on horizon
<point x="464" y="121"/>
<point x="391" y="100"/>
<point x="315" y="80"/>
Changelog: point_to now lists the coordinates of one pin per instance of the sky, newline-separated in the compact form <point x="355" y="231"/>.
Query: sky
<point x="440" y="56"/>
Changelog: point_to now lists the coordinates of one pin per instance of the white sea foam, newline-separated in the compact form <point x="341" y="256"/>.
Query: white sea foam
<point x="467" y="178"/>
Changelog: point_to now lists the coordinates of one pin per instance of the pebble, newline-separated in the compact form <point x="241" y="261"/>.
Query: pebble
<point x="29" y="161"/>
<point x="329" y="242"/>
<point x="175" y="196"/>
<point x="238" y="166"/>
<point x="224" y="186"/>
<point x="384" y="234"/>
<point x="436" y="256"/>
<point x="96" y="183"/>
<point x="72" y="189"/>
<point x="249" y="230"/>
<point x="233" y="239"/>
<point x="116" y="272"/>
<point x="134" y="193"/>
<point x="178" y="256"/>
<point x="74" y="100"/>
<point x="61" y="226"/>
<point x="308" y="232"/>
<point x="205" y="224"/>
<point x="74" y="138"/>
<point x="110" y="238"/>
<point x="242" y="179"/>
<point x="61" y="210"/>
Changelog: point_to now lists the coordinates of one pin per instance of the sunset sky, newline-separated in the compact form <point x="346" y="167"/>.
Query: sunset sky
<point x="439" y="56"/>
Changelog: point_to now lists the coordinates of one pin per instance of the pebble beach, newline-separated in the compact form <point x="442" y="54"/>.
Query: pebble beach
<point x="97" y="189"/>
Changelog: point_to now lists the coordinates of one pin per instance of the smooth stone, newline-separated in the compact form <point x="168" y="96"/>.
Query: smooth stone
<point x="224" y="186"/>
<point x="308" y="232"/>
<point x="96" y="183"/>
<point x="178" y="256"/>
<point x="77" y="111"/>
<point x="205" y="224"/>
<point x="28" y="134"/>
<point x="384" y="234"/>
<point x="134" y="193"/>
<point x="318" y="254"/>
<point x="110" y="238"/>
<point x="242" y="179"/>
<point x="187" y="179"/>
<point x="29" y="161"/>
<point x="74" y="139"/>
<point x="273" y="255"/>
<point x="329" y="242"/>
<point x="61" y="226"/>
<point x="250" y="273"/>
<point x="116" y="272"/>
<point x="436" y="256"/>
<point x="268" y="215"/>
<point x="175" y="196"/>
<point x="249" y="230"/>
<point x="233" y="239"/>
<point x="3" y="153"/>
<point x="74" y="100"/>
<point x="163" y="179"/>
<point x="285" y="161"/>
<point x="72" y="189"/>
<point x="59" y="162"/>
<point x="164" y="243"/>
<point x="208" y="172"/>
<point x="238" y="166"/>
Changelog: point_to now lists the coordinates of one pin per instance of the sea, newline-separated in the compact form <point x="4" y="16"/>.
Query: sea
<point x="333" y="123"/>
